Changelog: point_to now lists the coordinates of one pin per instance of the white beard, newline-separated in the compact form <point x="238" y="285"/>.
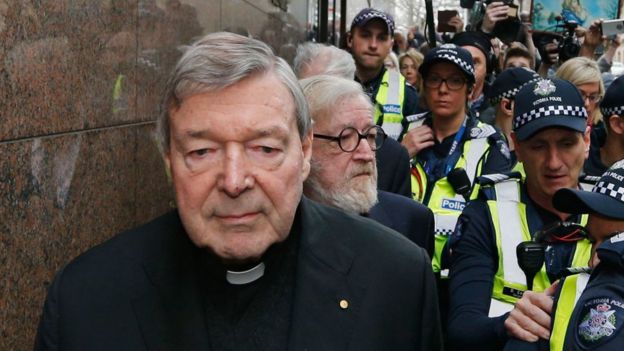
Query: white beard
<point x="356" y="195"/>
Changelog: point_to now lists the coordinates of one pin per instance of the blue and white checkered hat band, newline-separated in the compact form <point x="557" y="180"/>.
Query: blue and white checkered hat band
<point x="609" y="111"/>
<point x="368" y="15"/>
<point x="509" y="93"/>
<point x="609" y="189"/>
<point x="464" y="65"/>
<point x="546" y="111"/>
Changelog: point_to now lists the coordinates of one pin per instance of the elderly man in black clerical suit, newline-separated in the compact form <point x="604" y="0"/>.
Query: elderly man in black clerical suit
<point x="245" y="262"/>
<point x="343" y="169"/>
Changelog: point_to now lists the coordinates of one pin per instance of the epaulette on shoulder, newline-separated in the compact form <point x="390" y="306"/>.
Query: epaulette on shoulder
<point x="417" y="117"/>
<point x="482" y="130"/>
<point x="611" y="252"/>
<point x="588" y="179"/>
<point x="491" y="179"/>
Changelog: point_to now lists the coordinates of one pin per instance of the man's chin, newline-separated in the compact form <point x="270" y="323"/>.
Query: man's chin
<point x="552" y="186"/>
<point x="241" y="252"/>
<point x="371" y="64"/>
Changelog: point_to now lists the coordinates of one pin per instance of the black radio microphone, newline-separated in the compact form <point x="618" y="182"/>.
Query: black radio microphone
<point x="530" y="259"/>
<point x="460" y="182"/>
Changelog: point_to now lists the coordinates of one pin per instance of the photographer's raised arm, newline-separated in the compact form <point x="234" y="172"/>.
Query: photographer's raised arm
<point x="592" y="39"/>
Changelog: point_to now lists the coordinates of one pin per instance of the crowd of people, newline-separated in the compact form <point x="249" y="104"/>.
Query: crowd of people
<point x="467" y="196"/>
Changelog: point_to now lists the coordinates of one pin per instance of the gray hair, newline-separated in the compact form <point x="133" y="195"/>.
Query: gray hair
<point x="220" y="60"/>
<point x="337" y="62"/>
<point x="324" y="92"/>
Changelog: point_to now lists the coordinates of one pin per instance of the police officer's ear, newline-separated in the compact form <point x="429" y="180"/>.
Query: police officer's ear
<point x="507" y="106"/>
<point x="616" y="124"/>
<point x="349" y="39"/>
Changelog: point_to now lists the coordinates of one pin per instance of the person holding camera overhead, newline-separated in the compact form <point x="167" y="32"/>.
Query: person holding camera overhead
<point x="487" y="286"/>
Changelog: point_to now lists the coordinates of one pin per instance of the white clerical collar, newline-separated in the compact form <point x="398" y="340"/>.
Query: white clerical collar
<point x="245" y="277"/>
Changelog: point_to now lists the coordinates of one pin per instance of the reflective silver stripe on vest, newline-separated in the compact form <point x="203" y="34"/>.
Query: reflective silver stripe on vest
<point x="499" y="308"/>
<point x="507" y="199"/>
<point x="581" y="283"/>
<point x="477" y="148"/>
<point x="445" y="224"/>
<point x="393" y="98"/>
<point x="394" y="84"/>
<point x="392" y="129"/>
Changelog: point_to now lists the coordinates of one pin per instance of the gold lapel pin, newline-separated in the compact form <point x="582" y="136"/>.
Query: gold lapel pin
<point x="344" y="304"/>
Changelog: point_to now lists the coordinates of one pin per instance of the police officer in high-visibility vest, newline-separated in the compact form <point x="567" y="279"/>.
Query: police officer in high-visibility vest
<point x="552" y="140"/>
<point x="588" y="308"/>
<point x="370" y="41"/>
<point x="448" y="138"/>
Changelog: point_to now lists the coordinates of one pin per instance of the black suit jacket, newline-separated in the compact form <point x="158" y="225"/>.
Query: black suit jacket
<point x="408" y="217"/>
<point x="139" y="291"/>
<point x="393" y="168"/>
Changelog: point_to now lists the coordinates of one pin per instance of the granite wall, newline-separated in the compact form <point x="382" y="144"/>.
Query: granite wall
<point x="79" y="87"/>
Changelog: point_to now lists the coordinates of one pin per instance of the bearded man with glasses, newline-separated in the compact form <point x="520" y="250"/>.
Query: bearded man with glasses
<point x="343" y="170"/>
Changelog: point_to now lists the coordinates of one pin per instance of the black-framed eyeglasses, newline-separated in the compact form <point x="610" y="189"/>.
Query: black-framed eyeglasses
<point x="349" y="138"/>
<point x="592" y="98"/>
<point x="453" y="83"/>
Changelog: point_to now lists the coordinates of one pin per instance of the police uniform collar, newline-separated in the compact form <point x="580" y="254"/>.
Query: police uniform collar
<point x="471" y="123"/>
<point x="611" y="251"/>
<point x="375" y="82"/>
<point x="537" y="216"/>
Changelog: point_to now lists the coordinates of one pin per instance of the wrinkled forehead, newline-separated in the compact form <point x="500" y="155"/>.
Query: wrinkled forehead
<point x="348" y="111"/>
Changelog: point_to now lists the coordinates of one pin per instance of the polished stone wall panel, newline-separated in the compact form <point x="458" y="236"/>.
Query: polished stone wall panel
<point x="62" y="195"/>
<point x="59" y="64"/>
<point x="154" y="192"/>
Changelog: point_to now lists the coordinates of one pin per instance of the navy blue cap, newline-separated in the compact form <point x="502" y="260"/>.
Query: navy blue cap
<point x="509" y="82"/>
<point x="548" y="103"/>
<point x="613" y="101"/>
<point x="605" y="199"/>
<point x="480" y="41"/>
<point x="368" y="14"/>
<point x="449" y="53"/>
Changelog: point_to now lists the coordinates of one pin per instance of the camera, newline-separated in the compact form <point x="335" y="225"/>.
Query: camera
<point x="611" y="28"/>
<point x="564" y="36"/>
<point x="569" y="47"/>
<point x="507" y="30"/>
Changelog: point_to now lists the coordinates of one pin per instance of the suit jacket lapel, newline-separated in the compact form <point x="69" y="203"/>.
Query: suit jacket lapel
<point x="326" y="302"/>
<point x="171" y="312"/>
<point x="380" y="214"/>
